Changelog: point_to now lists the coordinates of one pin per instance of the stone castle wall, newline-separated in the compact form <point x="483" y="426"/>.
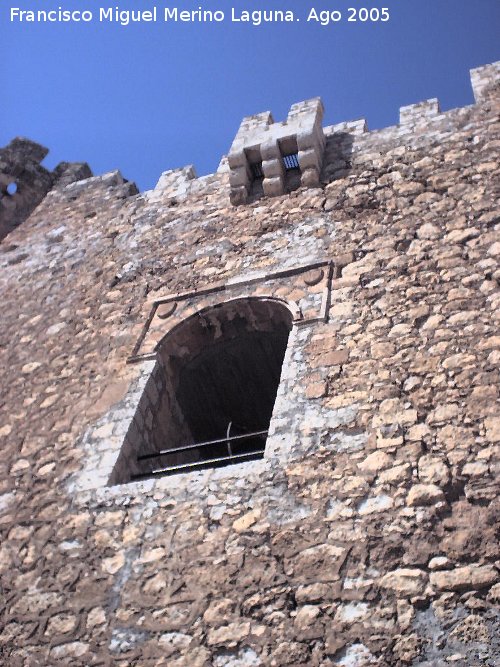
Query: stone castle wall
<point x="367" y="534"/>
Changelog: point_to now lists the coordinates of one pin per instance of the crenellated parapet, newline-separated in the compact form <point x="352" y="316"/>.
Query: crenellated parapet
<point x="269" y="158"/>
<point x="266" y="158"/>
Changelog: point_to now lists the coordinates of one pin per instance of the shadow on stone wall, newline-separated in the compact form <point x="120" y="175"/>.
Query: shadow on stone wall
<point x="337" y="159"/>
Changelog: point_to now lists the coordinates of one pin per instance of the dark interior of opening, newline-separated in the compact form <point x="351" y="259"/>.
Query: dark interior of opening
<point x="216" y="379"/>
<point x="256" y="174"/>
<point x="230" y="387"/>
<point x="290" y="158"/>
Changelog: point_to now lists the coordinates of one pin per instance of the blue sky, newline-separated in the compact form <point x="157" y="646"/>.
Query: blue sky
<point x="150" y="97"/>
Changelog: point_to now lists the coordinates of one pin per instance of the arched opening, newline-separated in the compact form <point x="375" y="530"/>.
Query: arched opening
<point x="210" y="398"/>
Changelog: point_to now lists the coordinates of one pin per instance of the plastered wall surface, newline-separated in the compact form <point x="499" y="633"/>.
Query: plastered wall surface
<point x="368" y="533"/>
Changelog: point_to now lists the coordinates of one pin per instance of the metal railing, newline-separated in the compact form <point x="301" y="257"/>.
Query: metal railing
<point x="231" y="457"/>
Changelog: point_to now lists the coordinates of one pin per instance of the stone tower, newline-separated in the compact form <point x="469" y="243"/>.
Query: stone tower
<point x="252" y="418"/>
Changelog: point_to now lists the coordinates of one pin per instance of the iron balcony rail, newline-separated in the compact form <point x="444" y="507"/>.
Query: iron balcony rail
<point x="235" y="458"/>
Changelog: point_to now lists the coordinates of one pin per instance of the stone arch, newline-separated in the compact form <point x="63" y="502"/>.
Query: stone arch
<point x="216" y="377"/>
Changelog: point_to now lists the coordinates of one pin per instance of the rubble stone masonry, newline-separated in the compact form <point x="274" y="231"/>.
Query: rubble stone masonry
<point x="368" y="533"/>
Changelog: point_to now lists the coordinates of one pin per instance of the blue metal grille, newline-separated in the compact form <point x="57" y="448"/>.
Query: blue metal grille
<point x="291" y="161"/>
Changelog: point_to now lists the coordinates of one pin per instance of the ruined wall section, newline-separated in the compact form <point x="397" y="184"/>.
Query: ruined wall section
<point x="373" y="541"/>
<point x="24" y="182"/>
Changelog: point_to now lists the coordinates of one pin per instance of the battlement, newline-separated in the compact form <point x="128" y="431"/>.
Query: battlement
<point x="260" y="147"/>
<point x="266" y="158"/>
<point x="269" y="158"/>
<point x="485" y="81"/>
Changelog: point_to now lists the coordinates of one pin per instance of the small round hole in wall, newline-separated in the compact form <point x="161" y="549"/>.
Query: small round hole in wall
<point x="12" y="188"/>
